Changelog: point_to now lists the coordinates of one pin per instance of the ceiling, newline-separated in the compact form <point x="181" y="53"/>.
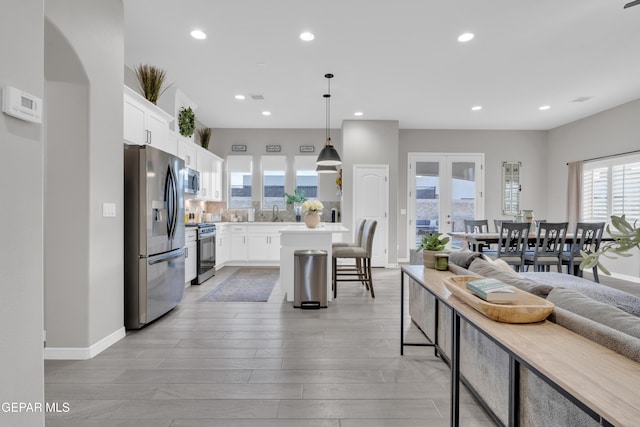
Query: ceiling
<point x="392" y="60"/>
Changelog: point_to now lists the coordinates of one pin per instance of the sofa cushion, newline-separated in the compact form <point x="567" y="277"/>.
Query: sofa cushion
<point x="605" y="314"/>
<point x="597" y="291"/>
<point x="487" y="269"/>
<point x="463" y="258"/>
<point x="617" y="341"/>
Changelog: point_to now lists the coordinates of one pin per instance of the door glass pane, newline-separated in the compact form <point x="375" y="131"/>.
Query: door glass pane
<point x="427" y="198"/>
<point x="463" y="195"/>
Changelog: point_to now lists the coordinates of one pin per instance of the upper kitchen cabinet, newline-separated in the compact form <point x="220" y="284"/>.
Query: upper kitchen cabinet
<point x="210" y="167"/>
<point x="187" y="151"/>
<point x="146" y="124"/>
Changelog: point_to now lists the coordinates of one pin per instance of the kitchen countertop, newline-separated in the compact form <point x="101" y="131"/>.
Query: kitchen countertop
<point x="324" y="227"/>
<point x="284" y="224"/>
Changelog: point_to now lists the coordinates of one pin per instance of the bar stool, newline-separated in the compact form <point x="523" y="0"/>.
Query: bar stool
<point x="362" y="257"/>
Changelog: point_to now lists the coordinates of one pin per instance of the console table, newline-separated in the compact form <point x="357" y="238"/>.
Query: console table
<point x="602" y="383"/>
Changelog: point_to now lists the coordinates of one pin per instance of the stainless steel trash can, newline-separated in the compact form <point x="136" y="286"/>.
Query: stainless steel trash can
<point x="310" y="279"/>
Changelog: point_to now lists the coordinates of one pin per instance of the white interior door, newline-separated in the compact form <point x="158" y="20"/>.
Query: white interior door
<point x="444" y="190"/>
<point x="371" y="201"/>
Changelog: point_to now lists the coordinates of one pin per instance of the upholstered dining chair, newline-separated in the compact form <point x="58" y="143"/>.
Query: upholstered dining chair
<point x="512" y="243"/>
<point x="548" y="248"/>
<point x="586" y="238"/>
<point x="476" y="226"/>
<point x="361" y="272"/>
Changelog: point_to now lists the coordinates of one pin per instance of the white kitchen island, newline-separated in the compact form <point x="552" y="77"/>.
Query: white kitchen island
<point x="299" y="237"/>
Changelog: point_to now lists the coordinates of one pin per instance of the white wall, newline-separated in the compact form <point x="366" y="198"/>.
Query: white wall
<point x="85" y="73"/>
<point x="529" y="147"/>
<point x="608" y="133"/>
<point x="21" y="189"/>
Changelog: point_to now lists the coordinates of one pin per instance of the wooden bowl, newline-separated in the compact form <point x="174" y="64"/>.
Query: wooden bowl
<point x="527" y="309"/>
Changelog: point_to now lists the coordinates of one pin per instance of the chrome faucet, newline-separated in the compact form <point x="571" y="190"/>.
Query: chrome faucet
<point x="275" y="212"/>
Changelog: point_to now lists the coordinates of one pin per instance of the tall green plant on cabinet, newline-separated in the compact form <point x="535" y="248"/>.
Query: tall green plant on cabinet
<point x="151" y="80"/>
<point x="205" y="136"/>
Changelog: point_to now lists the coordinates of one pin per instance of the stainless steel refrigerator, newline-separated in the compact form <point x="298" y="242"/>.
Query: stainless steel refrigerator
<point x="153" y="234"/>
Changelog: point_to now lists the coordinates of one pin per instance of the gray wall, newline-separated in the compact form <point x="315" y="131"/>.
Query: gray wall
<point x="368" y="142"/>
<point x="84" y="303"/>
<point x="611" y="132"/>
<point x="529" y="147"/>
<point x="21" y="255"/>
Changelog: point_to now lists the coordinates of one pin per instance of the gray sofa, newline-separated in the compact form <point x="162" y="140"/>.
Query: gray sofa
<point x="602" y="314"/>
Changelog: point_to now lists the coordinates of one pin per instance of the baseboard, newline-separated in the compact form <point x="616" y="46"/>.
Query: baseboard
<point x="84" y="353"/>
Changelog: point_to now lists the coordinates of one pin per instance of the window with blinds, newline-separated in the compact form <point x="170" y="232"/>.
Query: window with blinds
<point x="611" y="187"/>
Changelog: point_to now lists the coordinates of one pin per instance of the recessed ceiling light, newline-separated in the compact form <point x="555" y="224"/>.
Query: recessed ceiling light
<point x="358" y="113"/>
<point x="266" y="113"/>
<point x="465" y="37"/>
<point x="307" y="36"/>
<point x="241" y="97"/>
<point x="544" y="107"/>
<point x="476" y="108"/>
<point x="197" y="34"/>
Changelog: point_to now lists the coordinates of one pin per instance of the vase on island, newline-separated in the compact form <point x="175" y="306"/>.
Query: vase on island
<point x="312" y="219"/>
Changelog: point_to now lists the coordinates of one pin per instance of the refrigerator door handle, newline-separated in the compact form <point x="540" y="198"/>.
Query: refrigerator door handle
<point x="174" y="203"/>
<point x="157" y="259"/>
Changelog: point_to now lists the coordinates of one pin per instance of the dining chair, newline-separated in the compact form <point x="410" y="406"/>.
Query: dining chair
<point x="512" y="243"/>
<point x="476" y="226"/>
<point x="586" y="238"/>
<point x="497" y="223"/>
<point x="550" y="240"/>
<point x="362" y="256"/>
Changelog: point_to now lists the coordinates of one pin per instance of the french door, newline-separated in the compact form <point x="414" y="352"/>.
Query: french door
<point x="444" y="190"/>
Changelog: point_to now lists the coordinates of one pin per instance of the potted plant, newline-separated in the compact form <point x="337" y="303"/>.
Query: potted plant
<point x="625" y="237"/>
<point x="186" y="121"/>
<point x="312" y="210"/>
<point x="430" y="245"/>
<point x="151" y="79"/>
<point x="205" y="135"/>
<point x="296" y="199"/>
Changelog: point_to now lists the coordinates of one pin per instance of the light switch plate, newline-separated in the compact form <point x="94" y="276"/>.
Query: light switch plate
<point x="108" y="209"/>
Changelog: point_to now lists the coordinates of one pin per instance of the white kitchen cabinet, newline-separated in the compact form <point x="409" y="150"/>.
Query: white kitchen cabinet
<point x="223" y="245"/>
<point x="264" y="243"/>
<point x="187" y="151"/>
<point x="210" y="167"/>
<point x="190" y="255"/>
<point x="146" y="124"/>
<point x="239" y="244"/>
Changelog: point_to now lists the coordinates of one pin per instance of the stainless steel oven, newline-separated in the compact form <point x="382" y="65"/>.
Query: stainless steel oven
<point x="206" y="251"/>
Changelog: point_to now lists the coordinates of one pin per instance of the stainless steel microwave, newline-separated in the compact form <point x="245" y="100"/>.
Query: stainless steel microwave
<point x="191" y="181"/>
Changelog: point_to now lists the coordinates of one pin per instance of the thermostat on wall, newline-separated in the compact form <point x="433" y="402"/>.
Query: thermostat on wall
<point x="21" y="105"/>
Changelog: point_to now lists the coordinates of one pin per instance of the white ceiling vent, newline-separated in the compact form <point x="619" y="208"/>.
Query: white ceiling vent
<point x="257" y="97"/>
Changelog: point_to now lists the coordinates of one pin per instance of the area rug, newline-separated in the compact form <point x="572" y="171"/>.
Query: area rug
<point x="245" y="285"/>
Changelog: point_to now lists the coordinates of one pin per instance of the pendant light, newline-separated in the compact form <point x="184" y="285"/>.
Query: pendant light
<point x="326" y="169"/>
<point x="328" y="155"/>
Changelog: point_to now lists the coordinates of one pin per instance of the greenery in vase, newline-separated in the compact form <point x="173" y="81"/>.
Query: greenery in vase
<point x="151" y="79"/>
<point x="205" y="135"/>
<point x="432" y="242"/>
<point x="625" y="237"/>
<point x="186" y="121"/>
<point x="297" y="197"/>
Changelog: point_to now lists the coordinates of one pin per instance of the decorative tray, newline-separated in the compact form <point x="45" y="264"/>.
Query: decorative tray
<point x="527" y="309"/>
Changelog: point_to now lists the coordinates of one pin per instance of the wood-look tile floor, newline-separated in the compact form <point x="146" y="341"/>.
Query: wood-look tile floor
<point x="263" y="364"/>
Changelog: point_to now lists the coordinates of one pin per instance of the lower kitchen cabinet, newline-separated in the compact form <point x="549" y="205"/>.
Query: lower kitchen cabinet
<point x="239" y="242"/>
<point x="223" y="245"/>
<point x="190" y="255"/>
<point x="264" y="246"/>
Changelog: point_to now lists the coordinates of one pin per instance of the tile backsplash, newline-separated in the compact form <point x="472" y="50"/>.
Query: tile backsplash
<point x="261" y="215"/>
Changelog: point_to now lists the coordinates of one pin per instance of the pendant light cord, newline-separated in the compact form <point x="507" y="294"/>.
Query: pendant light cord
<point x="328" y="110"/>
